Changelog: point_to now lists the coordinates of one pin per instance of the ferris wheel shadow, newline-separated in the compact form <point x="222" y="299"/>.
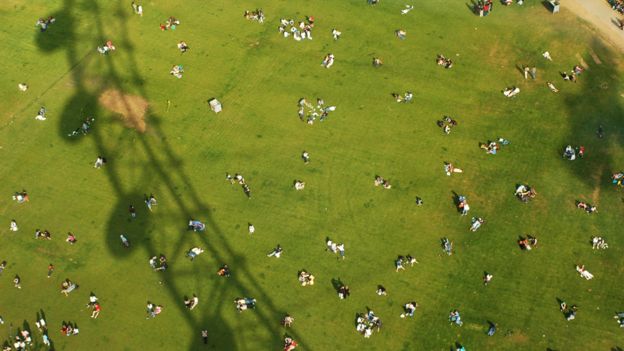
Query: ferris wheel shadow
<point x="165" y="168"/>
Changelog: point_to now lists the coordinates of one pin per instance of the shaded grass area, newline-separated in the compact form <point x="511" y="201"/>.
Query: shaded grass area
<point x="259" y="76"/>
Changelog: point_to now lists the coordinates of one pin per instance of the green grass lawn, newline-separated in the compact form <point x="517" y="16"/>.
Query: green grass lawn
<point x="259" y="76"/>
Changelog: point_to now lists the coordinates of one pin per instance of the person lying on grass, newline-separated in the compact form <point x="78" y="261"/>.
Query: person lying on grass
<point x="84" y="128"/>
<point x="527" y="243"/>
<point x="450" y="169"/>
<point x="511" y="92"/>
<point x="589" y="209"/>
<point x="244" y="303"/>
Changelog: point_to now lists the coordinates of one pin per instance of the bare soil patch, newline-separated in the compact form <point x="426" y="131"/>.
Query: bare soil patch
<point x="130" y="109"/>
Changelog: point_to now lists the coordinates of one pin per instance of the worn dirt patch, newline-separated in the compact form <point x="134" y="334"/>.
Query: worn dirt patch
<point x="517" y="337"/>
<point x="131" y="109"/>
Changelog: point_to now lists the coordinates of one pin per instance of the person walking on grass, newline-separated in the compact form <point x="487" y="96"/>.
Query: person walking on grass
<point x="132" y="212"/>
<point x="204" y="335"/>
<point x="13" y="227"/>
<point x="50" y="270"/>
<point x="251" y="228"/>
<point x="17" y="282"/>
<point x="2" y="266"/>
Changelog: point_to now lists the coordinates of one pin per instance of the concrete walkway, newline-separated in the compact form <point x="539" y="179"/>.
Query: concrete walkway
<point x="600" y="15"/>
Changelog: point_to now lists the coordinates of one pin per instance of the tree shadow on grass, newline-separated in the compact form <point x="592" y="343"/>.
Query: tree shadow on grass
<point x="599" y="103"/>
<point x="168" y="174"/>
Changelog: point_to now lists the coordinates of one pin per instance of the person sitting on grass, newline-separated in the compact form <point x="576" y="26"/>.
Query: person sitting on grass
<point x="525" y="193"/>
<point x="177" y="71"/>
<point x="599" y="243"/>
<point x="306" y="278"/>
<point x="398" y="263"/>
<point x="381" y="291"/>
<point x="377" y="62"/>
<point x="192" y="302"/>
<point x="299" y="185"/>
<point x="569" y="153"/>
<point x="68" y="286"/>
<point x="183" y="47"/>
<point x="71" y="238"/>
<point x="343" y="292"/>
<point x="224" y="271"/>
<point x="447" y="246"/>
<point x="172" y="23"/>
<point x="409" y="309"/>
<point x="46" y="235"/>
<point x="568" y="77"/>
<point x="487" y="278"/>
<point x="462" y="205"/>
<point x="443" y="61"/>
<point x="617" y="178"/>
<point x="455" y="318"/>
<point x="381" y="181"/>
<point x="620" y="318"/>
<point x="257" y="15"/>
<point x="108" y="46"/>
<point x="446" y="124"/>
<point x="568" y="313"/>
<point x="287" y="321"/>
<point x="44" y="23"/>
<point x="328" y="61"/>
<point x="401" y="34"/>
<point x="150" y="202"/>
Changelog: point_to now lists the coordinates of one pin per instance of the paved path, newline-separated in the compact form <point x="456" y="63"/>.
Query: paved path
<point x="601" y="16"/>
